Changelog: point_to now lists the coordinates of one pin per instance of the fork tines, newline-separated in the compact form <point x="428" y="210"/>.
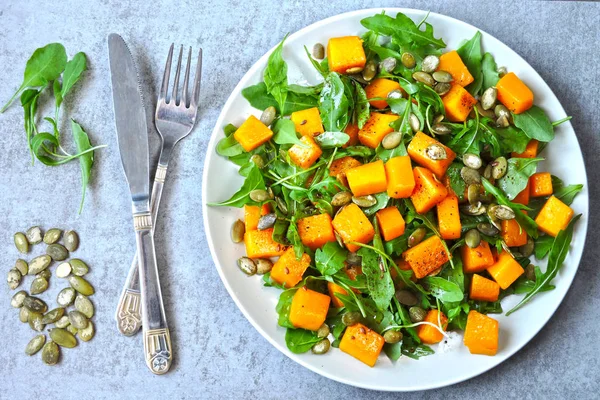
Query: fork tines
<point x="164" y="96"/>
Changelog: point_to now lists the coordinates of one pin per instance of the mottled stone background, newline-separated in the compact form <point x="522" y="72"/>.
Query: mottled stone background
<point x="218" y="353"/>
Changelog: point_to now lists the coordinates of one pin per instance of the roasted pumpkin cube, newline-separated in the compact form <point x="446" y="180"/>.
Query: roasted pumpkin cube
<point x="309" y="309"/>
<point x="530" y="151"/>
<point x="523" y="196"/>
<point x="346" y="55"/>
<point x="252" y="133"/>
<point x="391" y="223"/>
<point x="334" y="288"/>
<point x="316" y="230"/>
<point x="506" y="270"/>
<point x="477" y="259"/>
<point x="426" y="257"/>
<point x="458" y="103"/>
<point x="288" y="270"/>
<point x="400" y="178"/>
<point x="305" y="156"/>
<point x="260" y="244"/>
<point x="554" y="216"/>
<point x="252" y="214"/>
<point x="429" y="334"/>
<point x="352" y="225"/>
<point x="449" y="217"/>
<point x="512" y="233"/>
<point x="483" y="289"/>
<point x="428" y="192"/>
<point x="417" y="150"/>
<point x="481" y="334"/>
<point x="308" y="122"/>
<point x="378" y="89"/>
<point x="541" y="184"/>
<point x="352" y="131"/>
<point x="340" y="166"/>
<point x="362" y="343"/>
<point x="367" y="179"/>
<point x="452" y="63"/>
<point x="375" y="129"/>
<point x="514" y="94"/>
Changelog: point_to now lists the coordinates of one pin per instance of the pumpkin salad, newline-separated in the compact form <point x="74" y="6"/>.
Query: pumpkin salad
<point x="399" y="199"/>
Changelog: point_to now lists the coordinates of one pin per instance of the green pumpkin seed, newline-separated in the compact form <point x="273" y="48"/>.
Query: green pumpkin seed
<point x="470" y="176"/>
<point x="13" y="278"/>
<point x="472" y="238"/>
<point x="499" y="167"/>
<point x="35" y="321"/>
<point x="57" y="251"/>
<point x="86" y="334"/>
<point x="238" y="229"/>
<point x="394" y="94"/>
<point x="263" y="265"/>
<point x="63" y="322"/>
<point x="530" y="272"/>
<point x="364" y="201"/>
<point x="430" y="63"/>
<point x="527" y="249"/>
<point x="22" y="266"/>
<point x="257" y="160"/>
<point x="268" y="115"/>
<point x="39" y="264"/>
<point x="71" y="240"/>
<point x="442" y="88"/>
<point x="474" y="209"/>
<point x="266" y="221"/>
<point x="63" y="338"/>
<point x="18" y="299"/>
<point x="50" y="353"/>
<point x="502" y="71"/>
<point x="502" y="122"/>
<point x="46" y="274"/>
<point x="424" y="78"/>
<point x="21" y="242"/>
<point x="370" y="71"/>
<point x="321" y="347"/>
<point x="416" y="314"/>
<point x="338" y="238"/>
<point x="351" y="317"/>
<point x="259" y="195"/>
<point x="442" y="76"/>
<point x="35" y="345"/>
<point x="53" y="315"/>
<point x="416" y="237"/>
<point x="323" y="331"/>
<point x="488" y="98"/>
<point x="39" y="285"/>
<point x="415" y="124"/>
<point x="341" y="199"/>
<point x="406" y="297"/>
<point x="487" y="229"/>
<point x="408" y="60"/>
<point x="280" y="203"/>
<point x="63" y="270"/>
<point x="501" y="111"/>
<point x="52" y="236"/>
<point x="34" y="235"/>
<point x="81" y="285"/>
<point x="388" y="64"/>
<point x="472" y="160"/>
<point x="84" y="305"/>
<point x="438" y="118"/>
<point x="24" y="314"/>
<point x="318" y="51"/>
<point x="78" y="267"/>
<point x="473" y="192"/>
<point x="485" y="113"/>
<point x="392" y="336"/>
<point x="246" y="265"/>
<point x="391" y="140"/>
<point x="441" y="129"/>
<point x="436" y="152"/>
<point x="503" y="212"/>
<point x="72" y="329"/>
<point x="66" y="297"/>
<point x="353" y="259"/>
<point x="77" y="319"/>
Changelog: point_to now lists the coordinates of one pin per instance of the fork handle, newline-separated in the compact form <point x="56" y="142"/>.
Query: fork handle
<point x="129" y="314"/>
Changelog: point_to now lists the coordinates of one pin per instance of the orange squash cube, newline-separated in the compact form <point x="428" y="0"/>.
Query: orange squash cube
<point x="305" y="157"/>
<point x="378" y="89"/>
<point x="288" y="270"/>
<point x="514" y="94"/>
<point x="316" y="230"/>
<point x="260" y="244"/>
<point x="429" y="334"/>
<point x="367" y="179"/>
<point x="362" y="343"/>
<point x="309" y="309"/>
<point x="481" y="334"/>
<point x="375" y="129"/>
<point x="523" y="196"/>
<point x="333" y="288"/>
<point x="417" y="150"/>
<point x="353" y="226"/>
<point x="530" y="151"/>
<point x="512" y="233"/>
<point x="426" y="257"/>
<point x="483" y="289"/>
<point x="346" y="55"/>
<point x="340" y="166"/>
<point x="458" y="103"/>
<point x="252" y="214"/>
<point x="506" y="270"/>
<point x="252" y="133"/>
<point x="449" y="217"/>
<point x="477" y="259"/>
<point x="451" y="62"/>
<point x="541" y="184"/>
<point x="428" y="192"/>
<point x="554" y="216"/>
<point x="391" y="223"/>
<point x="400" y="178"/>
<point x="308" y="122"/>
<point x="352" y="131"/>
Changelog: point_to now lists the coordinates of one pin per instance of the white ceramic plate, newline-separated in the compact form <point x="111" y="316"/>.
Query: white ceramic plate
<point x="221" y="180"/>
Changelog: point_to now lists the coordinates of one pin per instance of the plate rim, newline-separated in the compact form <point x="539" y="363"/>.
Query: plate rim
<point x="210" y="154"/>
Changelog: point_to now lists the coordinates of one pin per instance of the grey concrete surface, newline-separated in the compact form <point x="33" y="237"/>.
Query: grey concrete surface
<point x="218" y="353"/>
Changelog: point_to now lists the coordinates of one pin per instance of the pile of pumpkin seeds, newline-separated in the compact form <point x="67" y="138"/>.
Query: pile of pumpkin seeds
<point x="66" y="324"/>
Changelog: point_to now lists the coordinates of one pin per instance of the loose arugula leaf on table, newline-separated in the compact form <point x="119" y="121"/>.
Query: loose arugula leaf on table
<point x="330" y="259"/>
<point x="489" y="70"/>
<point x="275" y="76"/>
<point x="517" y="175"/>
<point x="403" y="30"/>
<point x="470" y="54"/>
<point x="86" y="158"/>
<point x="328" y="140"/>
<point x="535" y="123"/>
<point x="556" y="257"/>
<point x="73" y="70"/>
<point x="300" y="340"/>
<point x="253" y="181"/>
<point x="566" y="194"/>
<point x="333" y="104"/>
<point x="443" y="289"/>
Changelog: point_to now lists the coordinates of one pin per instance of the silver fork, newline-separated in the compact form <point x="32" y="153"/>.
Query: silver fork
<point x="175" y="118"/>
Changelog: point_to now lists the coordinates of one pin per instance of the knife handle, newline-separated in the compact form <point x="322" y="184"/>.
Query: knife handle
<point x="129" y="313"/>
<point x="157" y="340"/>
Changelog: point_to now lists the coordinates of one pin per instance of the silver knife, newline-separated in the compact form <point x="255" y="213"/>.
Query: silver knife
<point x="132" y="136"/>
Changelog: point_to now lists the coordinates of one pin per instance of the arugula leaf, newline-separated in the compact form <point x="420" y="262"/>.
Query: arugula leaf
<point x="259" y="98"/>
<point x="382" y="202"/>
<point x="294" y="238"/>
<point x="566" y="194"/>
<point x="73" y="70"/>
<point x="319" y="67"/>
<point x="284" y="132"/>
<point x="470" y="53"/>
<point x="444" y="290"/>
<point x="275" y="75"/>
<point x="362" y="107"/>
<point x="385" y="154"/>
<point x="535" y="123"/>
<point x="558" y="253"/>
<point x="45" y="65"/>
<point x="543" y="244"/>
<point x="489" y="71"/>
<point x="29" y="99"/>
<point x="411" y="349"/>
<point x="86" y="159"/>
<point x="253" y="181"/>
<point x="517" y="175"/>
<point x="403" y="30"/>
<point x="283" y="308"/>
<point x="329" y="140"/>
<point x="330" y="259"/>
<point x="228" y="146"/>
<point x="457" y="184"/>
<point x="397" y="246"/>
<point x="379" y="283"/>
<point x="333" y="104"/>
<point x="300" y="340"/>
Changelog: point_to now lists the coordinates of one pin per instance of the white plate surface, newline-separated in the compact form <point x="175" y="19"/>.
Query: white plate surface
<point x="221" y="180"/>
